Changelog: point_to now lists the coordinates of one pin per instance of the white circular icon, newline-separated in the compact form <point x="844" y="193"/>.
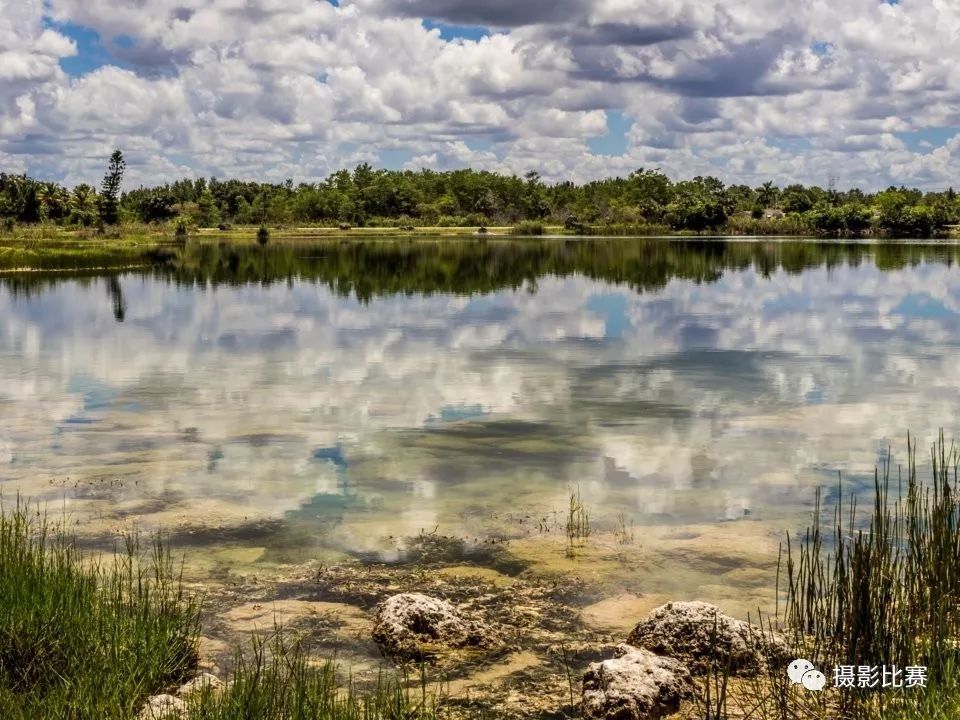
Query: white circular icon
<point x="814" y="680"/>
<point x="797" y="668"/>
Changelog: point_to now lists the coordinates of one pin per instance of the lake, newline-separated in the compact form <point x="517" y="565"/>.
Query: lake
<point x="332" y="400"/>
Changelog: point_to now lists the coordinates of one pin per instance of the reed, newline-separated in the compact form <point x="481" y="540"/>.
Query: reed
<point x="578" y="523"/>
<point x="884" y="590"/>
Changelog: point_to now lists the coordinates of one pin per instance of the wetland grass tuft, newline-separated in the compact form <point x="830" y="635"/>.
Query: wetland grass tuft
<point x="578" y="523"/>
<point x="86" y="638"/>
<point x="886" y="591"/>
<point x="875" y="589"/>
<point x="528" y="228"/>
<point x="624" y="531"/>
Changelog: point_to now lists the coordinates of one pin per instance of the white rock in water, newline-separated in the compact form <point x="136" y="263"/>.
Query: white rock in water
<point x="635" y="685"/>
<point x="415" y="626"/>
<point x="696" y="632"/>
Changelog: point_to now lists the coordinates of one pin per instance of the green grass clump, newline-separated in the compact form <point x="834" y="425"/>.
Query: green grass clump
<point x="280" y="681"/>
<point x="86" y="638"/>
<point x="886" y="592"/>
<point x="527" y="227"/>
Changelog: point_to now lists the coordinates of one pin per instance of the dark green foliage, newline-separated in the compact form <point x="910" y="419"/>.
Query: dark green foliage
<point x="86" y="640"/>
<point x="370" y="197"/>
<point x="263" y="235"/>
<point x="110" y="189"/>
<point x="152" y="205"/>
<point x="368" y="267"/>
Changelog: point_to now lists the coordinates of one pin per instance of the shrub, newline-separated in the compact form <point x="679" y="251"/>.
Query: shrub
<point x="527" y="227"/>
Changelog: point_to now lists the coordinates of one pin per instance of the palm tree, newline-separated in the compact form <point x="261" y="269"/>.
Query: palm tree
<point x="767" y="194"/>
<point x="83" y="205"/>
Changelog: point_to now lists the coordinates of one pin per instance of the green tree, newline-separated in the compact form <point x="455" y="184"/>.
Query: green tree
<point x="767" y="194"/>
<point x="110" y="189"/>
<point x="83" y="205"/>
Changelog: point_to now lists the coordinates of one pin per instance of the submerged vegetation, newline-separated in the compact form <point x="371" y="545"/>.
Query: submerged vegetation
<point x="644" y="202"/>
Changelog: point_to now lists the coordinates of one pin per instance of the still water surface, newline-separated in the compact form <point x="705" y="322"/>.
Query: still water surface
<point x="329" y="400"/>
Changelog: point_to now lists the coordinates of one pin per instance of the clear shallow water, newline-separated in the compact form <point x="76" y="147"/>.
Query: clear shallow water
<point x="251" y="400"/>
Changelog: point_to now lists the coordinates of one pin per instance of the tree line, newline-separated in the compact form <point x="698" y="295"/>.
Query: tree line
<point x="371" y="197"/>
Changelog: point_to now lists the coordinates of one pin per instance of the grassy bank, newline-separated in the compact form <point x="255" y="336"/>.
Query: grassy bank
<point x="84" y="638"/>
<point x="87" y="638"/>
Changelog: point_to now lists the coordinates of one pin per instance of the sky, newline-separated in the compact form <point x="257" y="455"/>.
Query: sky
<point x="864" y="92"/>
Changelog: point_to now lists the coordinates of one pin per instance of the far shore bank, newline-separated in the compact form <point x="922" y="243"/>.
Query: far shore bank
<point x="136" y="233"/>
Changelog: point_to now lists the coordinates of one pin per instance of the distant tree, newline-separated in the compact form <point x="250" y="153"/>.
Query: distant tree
<point x="796" y="199"/>
<point x="767" y="194"/>
<point x="110" y="189"/>
<point x="156" y="206"/>
<point x="83" y="205"/>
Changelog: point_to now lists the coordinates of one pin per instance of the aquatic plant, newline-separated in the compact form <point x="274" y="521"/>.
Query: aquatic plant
<point x="84" y="637"/>
<point x="578" y="523"/>
<point x="885" y="593"/>
<point x="713" y="693"/>
<point x="263" y="235"/>
<point x="624" y="531"/>
<point x="875" y="591"/>
<point x="88" y="638"/>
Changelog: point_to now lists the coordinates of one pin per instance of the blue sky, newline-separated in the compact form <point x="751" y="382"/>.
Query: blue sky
<point x="573" y="89"/>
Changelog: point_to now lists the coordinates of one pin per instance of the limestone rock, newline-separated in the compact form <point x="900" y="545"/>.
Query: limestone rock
<point x="635" y="685"/>
<point x="695" y="632"/>
<point x="199" y="683"/>
<point x="416" y="627"/>
<point x="163" y="707"/>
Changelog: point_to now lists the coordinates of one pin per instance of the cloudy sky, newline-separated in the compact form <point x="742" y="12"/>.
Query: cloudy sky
<point x="865" y="91"/>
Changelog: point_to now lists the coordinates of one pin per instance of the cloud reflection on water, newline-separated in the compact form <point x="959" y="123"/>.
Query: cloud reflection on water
<point x="706" y="402"/>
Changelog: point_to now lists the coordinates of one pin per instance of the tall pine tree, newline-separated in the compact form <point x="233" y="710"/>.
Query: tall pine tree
<point x="110" y="189"/>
